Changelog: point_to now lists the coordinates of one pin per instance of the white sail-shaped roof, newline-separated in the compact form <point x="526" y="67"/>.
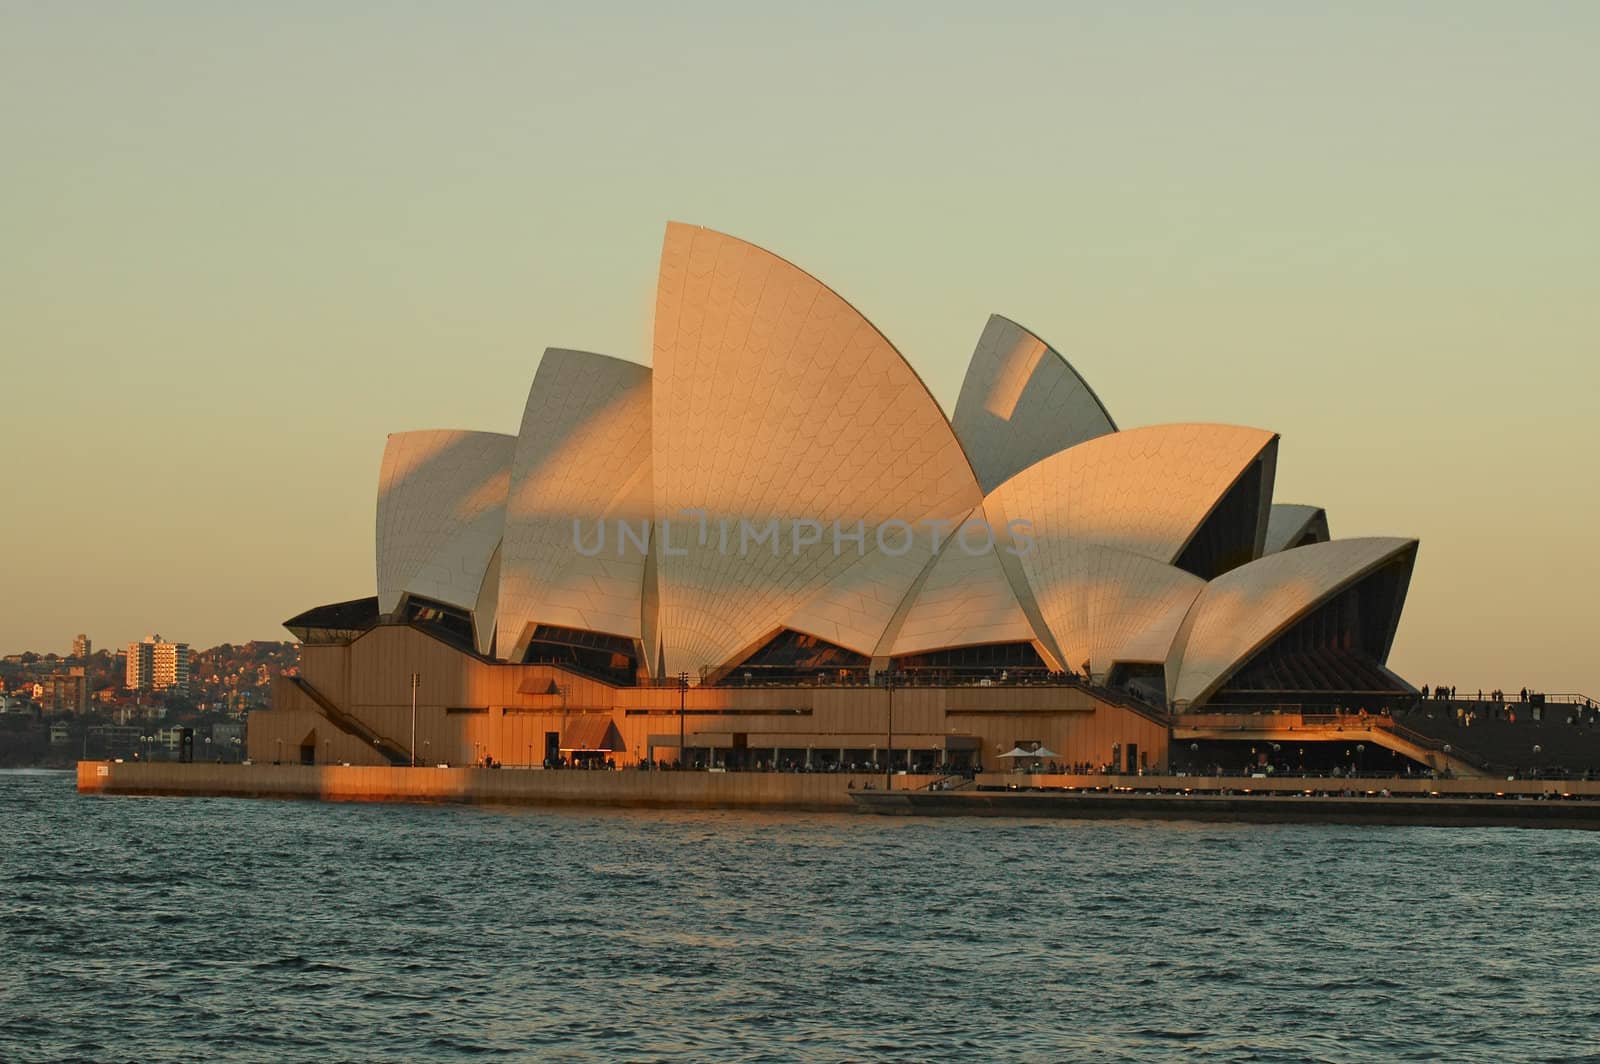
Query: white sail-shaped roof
<point x="583" y="454"/>
<point x="1107" y="519"/>
<point x="1241" y="611"/>
<point x="1022" y="401"/>
<point x="484" y="613"/>
<point x="1289" y="523"/>
<point x="1131" y="606"/>
<point x="773" y="398"/>
<point x="965" y="600"/>
<point x="441" y="507"/>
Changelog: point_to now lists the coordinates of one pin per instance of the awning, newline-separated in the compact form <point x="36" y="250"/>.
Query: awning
<point x="535" y="685"/>
<point x="590" y="734"/>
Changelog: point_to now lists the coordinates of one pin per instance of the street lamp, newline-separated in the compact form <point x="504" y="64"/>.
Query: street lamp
<point x="683" y="701"/>
<point x="416" y="681"/>
<point x="888" y="761"/>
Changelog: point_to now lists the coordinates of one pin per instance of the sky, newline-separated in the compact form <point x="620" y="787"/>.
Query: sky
<point x="240" y="243"/>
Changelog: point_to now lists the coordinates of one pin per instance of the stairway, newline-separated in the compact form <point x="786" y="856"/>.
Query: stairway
<point x="1292" y="727"/>
<point x="393" y="752"/>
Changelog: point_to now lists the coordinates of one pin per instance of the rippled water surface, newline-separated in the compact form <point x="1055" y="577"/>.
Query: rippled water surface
<point x="220" y="929"/>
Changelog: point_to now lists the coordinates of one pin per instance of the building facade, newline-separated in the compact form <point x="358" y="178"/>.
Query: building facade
<point x="776" y="524"/>
<point x="64" y="692"/>
<point x="156" y="665"/>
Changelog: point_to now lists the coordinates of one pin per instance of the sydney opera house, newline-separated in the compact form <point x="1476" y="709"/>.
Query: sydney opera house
<point x="772" y="546"/>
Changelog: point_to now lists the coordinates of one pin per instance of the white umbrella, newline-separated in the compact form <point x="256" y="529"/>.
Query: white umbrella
<point x="1044" y="753"/>
<point x="1017" y="751"/>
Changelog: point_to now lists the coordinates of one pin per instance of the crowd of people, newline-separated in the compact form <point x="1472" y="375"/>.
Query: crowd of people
<point x="1449" y="693"/>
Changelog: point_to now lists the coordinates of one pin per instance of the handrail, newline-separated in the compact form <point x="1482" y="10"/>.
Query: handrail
<point x="1339" y="721"/>
<point x="1512" y="698"/>
<point x="353" y="725"/>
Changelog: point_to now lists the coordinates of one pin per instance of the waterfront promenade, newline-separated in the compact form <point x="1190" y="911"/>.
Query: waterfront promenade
<point x="1562" y="803"/>
<point x="629" y="789"/>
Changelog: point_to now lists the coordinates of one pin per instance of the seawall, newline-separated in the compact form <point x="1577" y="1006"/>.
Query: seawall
<point x="1524" y="803"/>
<point x="1512" y="810"/>
<point x="357" y="783"/>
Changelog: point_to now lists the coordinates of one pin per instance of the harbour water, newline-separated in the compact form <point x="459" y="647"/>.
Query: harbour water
<point x="228" y="929"/>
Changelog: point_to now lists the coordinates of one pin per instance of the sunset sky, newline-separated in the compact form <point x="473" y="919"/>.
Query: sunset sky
<point x="241" y="243"/>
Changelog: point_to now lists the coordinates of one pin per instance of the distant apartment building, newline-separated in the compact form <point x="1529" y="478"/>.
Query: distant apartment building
<point x="111" y="740"/>
<point x="156" y="665"/>
<point x="63" y="692"/>
<point x="82" y="647"/>
<point x="169" y="738"/>
<point x="129" y="712"/>
<point x="227" y="741"/>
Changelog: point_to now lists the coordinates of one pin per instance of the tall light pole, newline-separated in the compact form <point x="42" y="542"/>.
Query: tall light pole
<point x="888" y="765"/>
<point x="683" y="700"/>
<point x="416" y="681"/>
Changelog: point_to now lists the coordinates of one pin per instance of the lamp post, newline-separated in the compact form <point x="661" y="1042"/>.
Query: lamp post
<point x="888" y="761"/>
<point x="416" y="681"/>
<point x="683" y="701"/>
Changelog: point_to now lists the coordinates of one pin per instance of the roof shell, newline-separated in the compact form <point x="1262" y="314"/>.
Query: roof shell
<point x="965" y="600"/>
<point x="773" y="398"/>
<point x="1106" y="519"/>
<point x="583" y="455"/>
<point x="441" y="506"/>
<point x="1022" y="401"/>
<point x="1290" y="522"/>
<point x="1241" y="611"/>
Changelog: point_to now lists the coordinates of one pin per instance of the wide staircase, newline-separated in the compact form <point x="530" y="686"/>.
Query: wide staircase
<point x="1377" y="729"/>
<point x="1549" y="733"/>
<point x="395" y="753"/>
